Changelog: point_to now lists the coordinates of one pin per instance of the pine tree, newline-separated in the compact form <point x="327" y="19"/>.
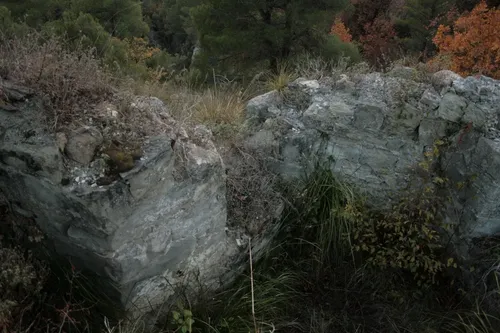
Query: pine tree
<point x="256" y="30"/>
<point x="121" y="18"/>
<point x="171" y="24"/>
<point x="418" y="24"/>
<point x="35" y="12"/>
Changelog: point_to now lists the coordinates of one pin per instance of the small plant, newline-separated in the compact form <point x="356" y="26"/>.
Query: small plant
<point x="281" y="78"/>
<point x="323" y="209"/>
<point x="409" y="236"/>
<point x="183" y="319"/>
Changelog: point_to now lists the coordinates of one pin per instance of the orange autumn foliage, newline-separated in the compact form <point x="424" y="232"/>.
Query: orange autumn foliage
<point x="472" y="45"/>
<point x="139" y="51"/>
<point x="340" y="30"/>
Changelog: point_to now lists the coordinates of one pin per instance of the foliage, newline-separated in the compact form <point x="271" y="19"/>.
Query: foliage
<point x="139" y="51"/>
<point x="171" y="24"/>
<point x="34" y="12"/>
<point x="333" y="49"/>
<point x="379" y="42"/>
<point x="121" y="18"/>
<point x="473" y="42"/>
<point x="183" y="320"/>
<point x="8" y="27"/>
<point x="324" y="199"/>
<point x="371" y="24"/>
<point x="418" y="23"/>
<point x="281" y="78"/>
<point x="253" y="31"/>
<point x="80" y="30"/>
<point x="341" y="31"/>
<point x="409" y="236"/>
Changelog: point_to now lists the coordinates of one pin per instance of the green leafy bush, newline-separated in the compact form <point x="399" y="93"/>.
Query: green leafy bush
<point x="334" y="49"/>
<point x="409" y="236"/>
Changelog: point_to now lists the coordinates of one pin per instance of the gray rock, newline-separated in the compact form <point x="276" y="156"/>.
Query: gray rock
<point x="62" y="141"/>
<point x="475" y="115"/>
<point x="262" y="141"/>
<point x="376" y="135"/>
<point x="444" y="79"/>
<point x="368" y="117"/>
<point x="451" y="108"/>
<point x="324" y="113"/>
<point x="157" y="225"/>
<point x="83" y="143"/>
<point x="404" y="72"/>
<point x="430" y="130"/>
<point x="258" y="107"/>
<point x="430" y="99"/>
<point x="308" y="84"/>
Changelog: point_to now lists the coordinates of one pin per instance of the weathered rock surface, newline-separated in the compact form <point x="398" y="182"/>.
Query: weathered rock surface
<point x="376" y="133"/>
<point x="147" y="229"/>
<point x="83" y="143"/>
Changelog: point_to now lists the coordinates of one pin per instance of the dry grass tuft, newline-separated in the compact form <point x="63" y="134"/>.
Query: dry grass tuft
<point x="219" y="106"/>
<point x="279" y="80"/>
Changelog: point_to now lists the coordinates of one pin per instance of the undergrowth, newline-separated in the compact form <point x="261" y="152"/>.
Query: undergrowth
<point x="339" y="266"/>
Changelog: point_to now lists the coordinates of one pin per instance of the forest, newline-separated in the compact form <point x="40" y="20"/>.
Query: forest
<point x="140" y="37"/>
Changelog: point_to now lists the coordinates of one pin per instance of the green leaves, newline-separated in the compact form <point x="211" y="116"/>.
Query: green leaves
<point x="183" y="320"/>
<point x="262" y="30"/>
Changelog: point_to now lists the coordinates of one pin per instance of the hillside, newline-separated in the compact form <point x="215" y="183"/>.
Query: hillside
<point x="290" y="166"/>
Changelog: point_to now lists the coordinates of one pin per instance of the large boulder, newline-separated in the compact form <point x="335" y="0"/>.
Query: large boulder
<point x="145" y="230"/>
<point x="375" y="134"/>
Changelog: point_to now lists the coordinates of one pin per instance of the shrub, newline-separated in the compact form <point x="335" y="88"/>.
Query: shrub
<point x="473" y="42"/>
<point x="69" y="79"/>
<point x="409" y="236"/>
<point x="334" y="49"/>
<point x="8" y="27"/>
<point x="21" y="281"/>
<point x="341" y="31"/>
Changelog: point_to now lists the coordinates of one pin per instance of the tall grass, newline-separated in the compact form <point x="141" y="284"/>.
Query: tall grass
<point x="324" y="200"/>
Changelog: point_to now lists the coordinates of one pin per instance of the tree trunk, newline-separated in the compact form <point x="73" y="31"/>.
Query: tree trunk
<point x="270" y="49"/>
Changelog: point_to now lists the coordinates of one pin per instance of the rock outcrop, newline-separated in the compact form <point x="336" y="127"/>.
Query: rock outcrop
<point x="376" y="130"/>
<point x="147" y="209"/>
<point x="146" y="229"/>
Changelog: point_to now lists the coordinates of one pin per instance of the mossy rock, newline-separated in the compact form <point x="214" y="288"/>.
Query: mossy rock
<point x="121" y="160"/>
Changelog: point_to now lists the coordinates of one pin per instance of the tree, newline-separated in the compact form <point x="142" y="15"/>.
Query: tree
<point x="256" y="30"/>
<point x="363" y="13"/>
<point x="379" y="43"/>
<point x="419" y="22"/>
<point x="473" y="43"/>
<point x="36" y="12"/>
<point x="121" y="18"/>
<point x="171" y="25"/>
<point x="370" y="22"/>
